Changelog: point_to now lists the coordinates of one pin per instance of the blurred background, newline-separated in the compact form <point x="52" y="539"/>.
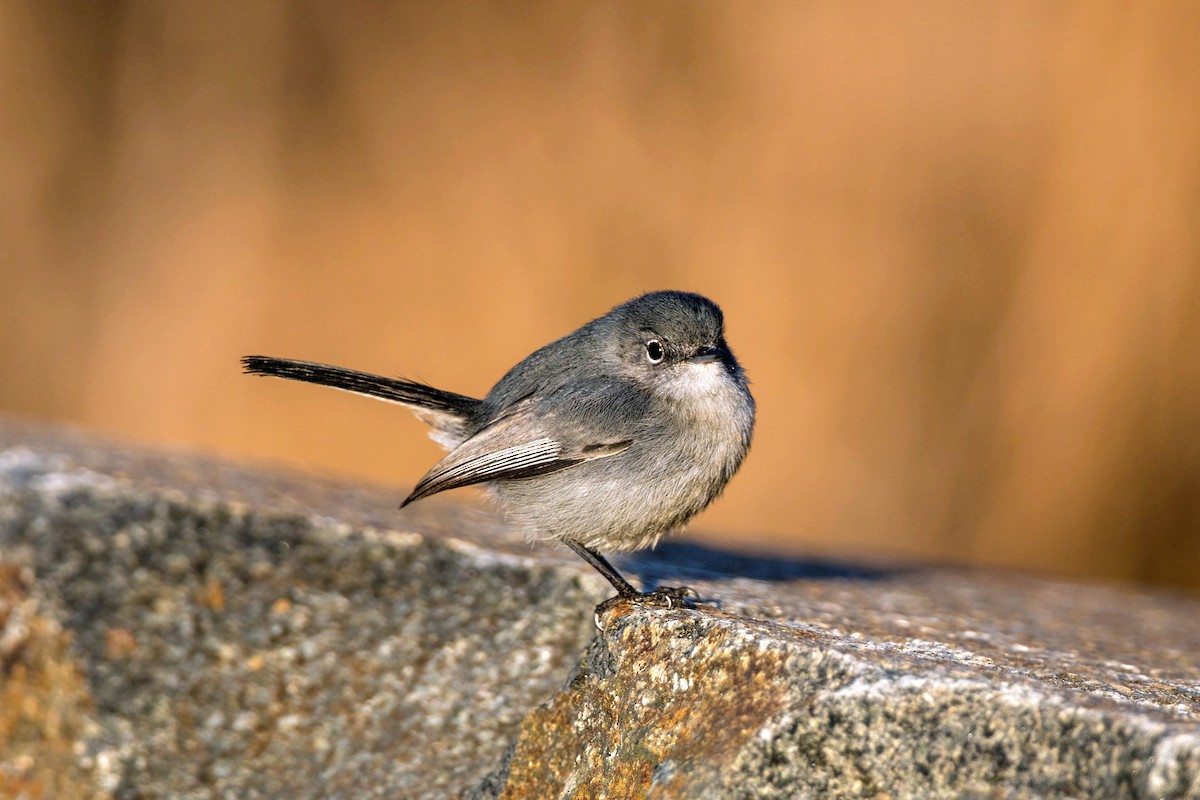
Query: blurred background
<point x="957" y="245"/>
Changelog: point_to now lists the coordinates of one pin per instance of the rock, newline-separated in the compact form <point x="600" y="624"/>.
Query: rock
<point x="246" y="632"/>
<point x="704" y="704"/>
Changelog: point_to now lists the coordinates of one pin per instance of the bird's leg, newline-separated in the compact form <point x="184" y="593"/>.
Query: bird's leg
<point x="624" y="588"/>
<point x="668" y="596"/>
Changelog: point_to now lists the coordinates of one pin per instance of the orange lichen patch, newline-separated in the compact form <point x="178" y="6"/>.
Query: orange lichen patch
<point x="119" y="642"/>
<point x="656" y="695"/>
<point x="43" y="699"/>
<point x="281" y="606"/>
<point x="212" y="595"/>
<point x="544" y="751"/>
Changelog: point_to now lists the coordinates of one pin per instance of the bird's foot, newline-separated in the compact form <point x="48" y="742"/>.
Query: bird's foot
<point x="662" y="597"/>
<point x="668" y="596"/>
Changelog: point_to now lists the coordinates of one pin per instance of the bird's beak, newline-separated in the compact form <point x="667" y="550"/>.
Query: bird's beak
<point x="708" y="355"/>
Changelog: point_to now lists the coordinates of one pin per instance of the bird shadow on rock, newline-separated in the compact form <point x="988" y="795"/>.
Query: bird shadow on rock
<point x="672" y="562"/>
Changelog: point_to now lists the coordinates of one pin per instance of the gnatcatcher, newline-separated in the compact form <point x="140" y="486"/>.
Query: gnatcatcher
<point x="605" y="439"/>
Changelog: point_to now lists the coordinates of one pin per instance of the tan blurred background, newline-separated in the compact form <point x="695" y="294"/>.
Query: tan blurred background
<point x="957" y="244"/>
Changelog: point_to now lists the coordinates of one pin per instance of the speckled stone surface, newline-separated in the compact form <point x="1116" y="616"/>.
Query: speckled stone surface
<point x="242" y="632"/>
<point x="247" y="633"/>
<point x="686" y="704"/>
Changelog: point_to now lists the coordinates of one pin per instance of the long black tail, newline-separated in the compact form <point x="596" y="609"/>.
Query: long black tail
<point x="395" y="390"/>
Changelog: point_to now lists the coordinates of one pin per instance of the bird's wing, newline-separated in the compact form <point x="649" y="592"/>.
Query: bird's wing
<point x="516" y="445"/>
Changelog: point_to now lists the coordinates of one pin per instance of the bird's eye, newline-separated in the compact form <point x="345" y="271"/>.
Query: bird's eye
<point x="654" y="351"/>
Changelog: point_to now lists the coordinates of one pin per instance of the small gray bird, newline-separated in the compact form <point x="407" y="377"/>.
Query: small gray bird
<point x="605" y="439"/>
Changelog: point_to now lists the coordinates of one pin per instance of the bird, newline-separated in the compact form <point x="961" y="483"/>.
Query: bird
<point x="605" y="440"/>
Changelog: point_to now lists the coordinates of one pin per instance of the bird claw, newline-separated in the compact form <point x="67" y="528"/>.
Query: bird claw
<point x="668" y="597"/>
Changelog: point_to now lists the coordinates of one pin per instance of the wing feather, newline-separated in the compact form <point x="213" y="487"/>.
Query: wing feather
<point x="514" y="446"/>
<point x="523" y="460"/>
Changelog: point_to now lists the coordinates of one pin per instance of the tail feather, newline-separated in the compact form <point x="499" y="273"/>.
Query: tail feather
<point x="396" y="390"/>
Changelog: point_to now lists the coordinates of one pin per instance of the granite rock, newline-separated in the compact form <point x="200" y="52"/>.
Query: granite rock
<point x="247" y="633"/>
<point x="240" y="631"/>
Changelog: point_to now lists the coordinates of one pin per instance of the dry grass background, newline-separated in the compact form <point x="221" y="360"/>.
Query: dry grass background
<point x="957" y="244"/>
